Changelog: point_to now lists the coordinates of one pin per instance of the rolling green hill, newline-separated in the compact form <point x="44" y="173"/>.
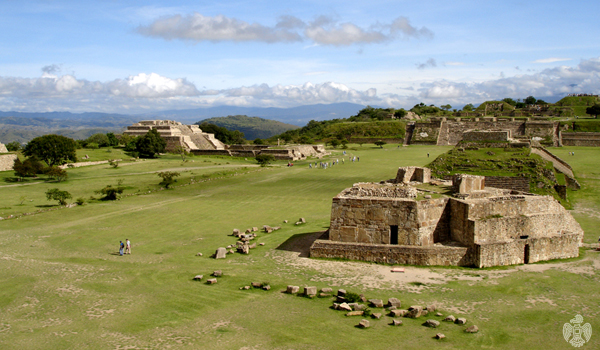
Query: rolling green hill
<point x="252" y="127"/>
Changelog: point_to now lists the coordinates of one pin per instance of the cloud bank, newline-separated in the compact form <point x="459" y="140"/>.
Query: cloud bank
<point x="322" y="31"/>
<point x="145" y="92"/>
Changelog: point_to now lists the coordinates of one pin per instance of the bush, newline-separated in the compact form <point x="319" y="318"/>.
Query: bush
<point x="111" y="193"/>
<point x="168" y="178"/>
<point x="80" y="201"/>
<point x="13" y="146"/>
<point x="264" y="159"/>
<point x="56" y="173"/>
<point x="352" y="297"/>
<point x="92" y="145"/>
<point x="58" y="195"/>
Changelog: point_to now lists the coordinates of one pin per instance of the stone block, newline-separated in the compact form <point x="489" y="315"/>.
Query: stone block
<point x="440" y="336"/>
<point x="310" y="291"/>
<point x="396" y="323"/>
<point x="355" y="313"/>
<point x="394" y="302"/>
<point x="450" y="318"/>
<point x="217" y="273"/>
<point x="414" y="312"/>
<point x="292" y="289"/>
<point x="431" y="323"/>
<point x="461" y="321"/>
<point x="364" y="324"/>
<point x="221" y="253"/>
<point x="376" y="315"/>
<point x="198" y="277"/>
<point x="376" y="302"/>
<point x="211" y="281"/>
<point x="472" y="329"/>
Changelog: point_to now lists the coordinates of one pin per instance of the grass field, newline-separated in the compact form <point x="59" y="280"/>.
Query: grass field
<point x="63" y="285"/>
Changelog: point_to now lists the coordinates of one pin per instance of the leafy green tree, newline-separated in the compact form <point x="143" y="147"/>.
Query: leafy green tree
<point x="344" y="144"/>
<point x="258" y="142"/>
<point x="380" y="143"/>
<point x="58" y="195"/>
<point x="223" y="134"/>
<point x="13" y="146"/>
<point x="29" y="168"/>
<point x="446" y="107"/>
<point x="468" y="107"/>
<point x="334" y="143"/>
<point x="264" y="159"/>
<point x="112" y="139"/>
<point x="56" y="173"/>
<point x="53" y="149"/>
<point x="183" y="153"/>
<point x="530" y="100"/>
<point x="168" y="178"/>
<point x="510" y="101"/>
<point x="101" y="140"/>
<point x="111" y="193"/>
<point x="400" y="113"/>
<point x="151" y="144"/>
<point x="593" y="110"/>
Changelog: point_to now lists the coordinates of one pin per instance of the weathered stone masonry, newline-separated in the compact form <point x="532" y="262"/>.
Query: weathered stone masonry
<point x="481" y="227"/>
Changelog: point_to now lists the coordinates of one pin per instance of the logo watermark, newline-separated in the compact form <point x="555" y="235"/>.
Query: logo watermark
<point x="575" y="333"/>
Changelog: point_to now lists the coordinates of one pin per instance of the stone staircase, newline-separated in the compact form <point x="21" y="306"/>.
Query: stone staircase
<point x="410" y="128"/>
<point x="559" y="164"/>
<point x="443" y="135"/>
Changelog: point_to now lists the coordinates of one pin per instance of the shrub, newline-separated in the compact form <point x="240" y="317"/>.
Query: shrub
<point x="352" y="297"/>
<point x="264" y="159"/>
<point x="111" y="193"/>
<point x="56" y="173"/>
<point x="80" y="201"/>
<point x="58" y="195"/>
<point x="168" y="178"/>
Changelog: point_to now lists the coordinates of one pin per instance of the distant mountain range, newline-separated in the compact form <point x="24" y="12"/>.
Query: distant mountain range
<point x="23" y="126"/>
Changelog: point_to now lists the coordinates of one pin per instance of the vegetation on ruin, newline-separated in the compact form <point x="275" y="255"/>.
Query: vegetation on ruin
<point x="517" y="162"/>
<point x="62" y="285"/>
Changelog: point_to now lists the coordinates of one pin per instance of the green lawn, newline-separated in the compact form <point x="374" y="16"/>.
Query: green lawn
<point x="62" y="285"/>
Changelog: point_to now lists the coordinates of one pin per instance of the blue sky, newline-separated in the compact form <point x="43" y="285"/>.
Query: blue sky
<point x="133" y="56"/>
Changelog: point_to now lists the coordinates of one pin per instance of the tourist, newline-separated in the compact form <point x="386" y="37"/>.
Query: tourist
<point x="127" y="246"/>
<point x="121" y="247"/>
<point x="427" y="155"/>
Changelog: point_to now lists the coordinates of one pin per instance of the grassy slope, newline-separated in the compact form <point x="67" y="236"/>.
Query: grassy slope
<point x="252" y="127"/>
<point x="61" y="286"/>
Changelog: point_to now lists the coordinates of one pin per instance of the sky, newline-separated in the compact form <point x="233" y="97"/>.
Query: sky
<point x="142" y="56"/>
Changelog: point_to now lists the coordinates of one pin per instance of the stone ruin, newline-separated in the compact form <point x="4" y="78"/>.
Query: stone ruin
<point x="189" y="137"/>
<point x="478" y="226"/>
<point x="7" y="161"/>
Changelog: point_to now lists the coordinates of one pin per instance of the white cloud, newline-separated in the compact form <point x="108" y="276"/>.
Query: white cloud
<point x="551" y="60"/>
<point x="322" y="31"/>
<point x="454" y="63"/>
<point x="429" y="64"/>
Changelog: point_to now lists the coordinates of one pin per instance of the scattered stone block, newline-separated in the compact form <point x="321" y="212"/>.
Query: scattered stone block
<point x="256" y="284"/>
<point x="424" y="313"/>
<point x="461" y="321"/>
<point x="341" y="293"/>
<point x="276" y="228"/>
<point x="396" y="323"/>
<point x="472" y="329"/>
<point x="432" y="323"/>
<point x="246" y="287"/>
<point x="252" y="246"/>
<point x="230" y="251"/>
<point x="217" y="273"/>
<point x="266" y="287"/>
<point x="198" y="277"/>
<point x="221" y="253"/>
<point x="394" y="302"/>
<point x="267" y="228"/>
<point x="450" y="318"/>
<point x="355" y="313"/>
<point x="430" y="308"/>
<point x="376" y="302"/>
<point x="414" y="312"/>
<point x="440" y="336"/>
<point x="285" y="221"/>
<point x="298" y="223"/>
<point x="397" y="313"/>
<point x="255" y="229"/>
<point x="292" y="289"/>
<point x="344" y="307"/>
<point x="340" y="299"/>
<point x="363" y="298"/>
<point x="302" y="220"/>
<point x="199" y="254"/>
<point x="310" y="291"/>
<point x="376" y="315"/>
<point x="439" y="314"/>
<point x="427" y="196"/>
<point x="327" y="290"/>
<point x="364" y="324"/>
<point x="211" y="281"/>
<point x="261" y="244"/>
<point x="391" y="308"/>
<point x="236" y="232"/>
<point x="248" y="230"/>
<point x="324" y="295"/>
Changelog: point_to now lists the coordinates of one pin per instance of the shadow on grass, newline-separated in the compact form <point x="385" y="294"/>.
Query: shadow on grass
<point x="301" y="243"/>
<point x="46" y="206"/>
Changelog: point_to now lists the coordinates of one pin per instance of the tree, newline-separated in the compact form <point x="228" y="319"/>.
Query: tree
<point x="264" y="159"/>
<point x="111" y="193"/>
<point x="151" y="144"/>
<point x="29" y="168"/>
<point x="112" y="139"/>
<point x="380" y="143"/>
<point x="468" y="107"/>
<point x="13" y="146"/>
<point x="334" y="143"/>
<point x="56" y="173"/>
<point x="400" y="113"/>
<point x="101" y="140"/>
<point x="593" y="110"/>
<point x="530" y="100"/>
<point x="183" y="153"/>
<point x="446" y="107"/>
<point x="53" y="149"/>
<point x="58" y="195"/>
<point x="168" y="178"/>
<point x="510" y="101"/>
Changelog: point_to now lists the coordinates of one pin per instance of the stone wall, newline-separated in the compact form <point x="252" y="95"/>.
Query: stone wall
<point x="3" y="148"/>
<point x="508" y="182"/>
<point x="591" y="139"/>
<point x="412" y="173"/>
<point x="7" y="161"/>
<point x="426" y="133"/>
<point x="477" y="136"/>
<point x="392" y="254"/>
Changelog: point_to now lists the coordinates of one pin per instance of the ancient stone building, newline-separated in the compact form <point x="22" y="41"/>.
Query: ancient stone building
<point x="479" y="226"/>
<point x="190" y="137"/>
<point x="6" y="160"/>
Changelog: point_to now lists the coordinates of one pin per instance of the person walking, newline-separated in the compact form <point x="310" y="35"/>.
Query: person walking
<point x="127" y="246"/>
<point x="121" y="247"/>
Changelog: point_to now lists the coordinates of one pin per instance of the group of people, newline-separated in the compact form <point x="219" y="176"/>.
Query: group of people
<point x="325" y="165"/>
<point x="124" y="248"/>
